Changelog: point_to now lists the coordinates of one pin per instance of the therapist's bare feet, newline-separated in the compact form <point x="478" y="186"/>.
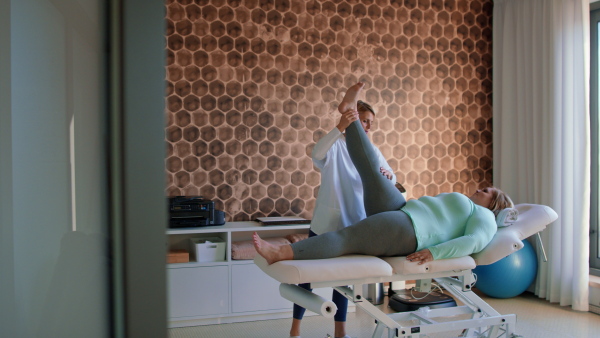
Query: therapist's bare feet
<point x="272" y="253"/>
<point x="351" y="97"/>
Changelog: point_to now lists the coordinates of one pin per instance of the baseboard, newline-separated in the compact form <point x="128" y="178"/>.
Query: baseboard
<point x="240" y="317"/>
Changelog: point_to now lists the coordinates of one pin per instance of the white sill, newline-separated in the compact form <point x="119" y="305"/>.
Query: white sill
<point x="594" y="281"/>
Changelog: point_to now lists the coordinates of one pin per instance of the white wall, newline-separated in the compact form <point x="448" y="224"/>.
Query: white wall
<point x="53" y="174"/>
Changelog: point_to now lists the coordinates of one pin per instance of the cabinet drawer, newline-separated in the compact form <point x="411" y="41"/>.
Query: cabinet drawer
<point x="198" y="291"/>
<point x="254" y="290"/>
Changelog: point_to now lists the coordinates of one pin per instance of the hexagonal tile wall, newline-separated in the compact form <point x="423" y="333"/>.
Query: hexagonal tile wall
<point x="252" y="85"/>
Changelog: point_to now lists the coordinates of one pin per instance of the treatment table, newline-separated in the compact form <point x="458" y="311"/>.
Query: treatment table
<point x="475" y="317"/>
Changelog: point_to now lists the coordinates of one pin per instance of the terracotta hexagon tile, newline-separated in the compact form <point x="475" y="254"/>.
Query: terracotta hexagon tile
<point x="253" y="85"/>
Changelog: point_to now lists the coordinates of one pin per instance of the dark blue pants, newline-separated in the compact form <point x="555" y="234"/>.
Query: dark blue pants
<point x="340" y="301"/>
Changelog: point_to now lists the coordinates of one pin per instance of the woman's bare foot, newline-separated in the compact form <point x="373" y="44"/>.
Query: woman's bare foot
<point x="272" y="253"/>
<point x="351" y="97"/>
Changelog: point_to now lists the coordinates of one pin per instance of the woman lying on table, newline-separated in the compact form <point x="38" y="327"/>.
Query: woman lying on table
<point x="445" y="226"/>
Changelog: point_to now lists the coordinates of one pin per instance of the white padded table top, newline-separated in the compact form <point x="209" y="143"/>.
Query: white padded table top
<point x="356" y="267"/>
<point x="348" y="267"/>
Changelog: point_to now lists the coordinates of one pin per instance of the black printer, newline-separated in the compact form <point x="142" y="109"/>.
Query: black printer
<point x="193" y="211"/>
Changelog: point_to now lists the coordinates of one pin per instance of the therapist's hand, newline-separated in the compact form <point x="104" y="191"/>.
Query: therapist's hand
<point x="386" y="173"/>
<point x="347" y="118"/>
<point x="421" y="257"/>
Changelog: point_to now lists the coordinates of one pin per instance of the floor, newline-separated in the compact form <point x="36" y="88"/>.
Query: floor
<point x="535" y="318"/>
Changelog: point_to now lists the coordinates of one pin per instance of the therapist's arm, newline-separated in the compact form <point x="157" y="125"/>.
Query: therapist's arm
<point x="320" y="150"/>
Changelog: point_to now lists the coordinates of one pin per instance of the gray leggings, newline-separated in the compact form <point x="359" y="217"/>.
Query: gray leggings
<point x="387" y="231"/>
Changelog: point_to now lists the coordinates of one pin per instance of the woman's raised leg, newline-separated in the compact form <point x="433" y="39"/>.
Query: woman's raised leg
<point x="379" y="193"/>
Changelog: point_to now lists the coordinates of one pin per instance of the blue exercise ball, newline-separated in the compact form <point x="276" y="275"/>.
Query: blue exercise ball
<point x="510" y="276"/>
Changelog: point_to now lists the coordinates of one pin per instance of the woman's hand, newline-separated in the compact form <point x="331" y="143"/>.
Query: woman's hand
<point x="386" y="173"/>
<point x="421" y="257"/>
<point x="347" y="118"/>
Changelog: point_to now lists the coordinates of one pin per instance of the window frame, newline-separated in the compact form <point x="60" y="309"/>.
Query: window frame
<point x="595" y="137"/>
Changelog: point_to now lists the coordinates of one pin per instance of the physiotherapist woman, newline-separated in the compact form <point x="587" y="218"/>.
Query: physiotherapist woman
<point x="340" y="200"/>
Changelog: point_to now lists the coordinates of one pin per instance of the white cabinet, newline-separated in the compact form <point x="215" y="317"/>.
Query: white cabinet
<point x="226" y="291"/>
<point x="198" y="291"/>
<point x="253" y="290"/>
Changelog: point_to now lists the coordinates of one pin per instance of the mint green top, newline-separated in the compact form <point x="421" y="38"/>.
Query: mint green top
<point x="450" y="225"/>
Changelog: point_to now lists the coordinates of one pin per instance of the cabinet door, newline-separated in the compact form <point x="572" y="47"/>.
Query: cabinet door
<point x="254" y="290"/>
<point x="198" y="291"/>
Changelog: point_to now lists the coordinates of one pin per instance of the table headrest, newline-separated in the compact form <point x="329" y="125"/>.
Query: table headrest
<point x="533" y="218"/>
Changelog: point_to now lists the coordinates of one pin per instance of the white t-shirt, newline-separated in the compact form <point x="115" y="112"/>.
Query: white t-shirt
<point x="340" y="200"/>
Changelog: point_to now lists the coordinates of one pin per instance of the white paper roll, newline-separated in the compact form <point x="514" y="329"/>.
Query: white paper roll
<point x="308" y="300"/>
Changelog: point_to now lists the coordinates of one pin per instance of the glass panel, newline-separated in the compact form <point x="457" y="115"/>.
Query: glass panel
<point x="59" y="210"/>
